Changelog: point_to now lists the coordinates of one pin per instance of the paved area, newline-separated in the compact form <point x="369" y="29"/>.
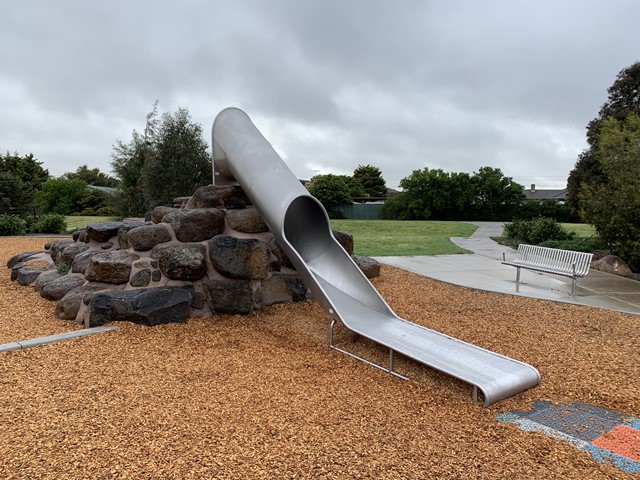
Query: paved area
<point x="483" y="270"/>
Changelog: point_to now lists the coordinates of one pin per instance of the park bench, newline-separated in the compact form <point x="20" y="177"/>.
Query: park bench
<point x="550" y="260"/>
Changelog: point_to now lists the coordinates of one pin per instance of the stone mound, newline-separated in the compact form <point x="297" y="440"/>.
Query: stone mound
<point x="213" y="255"/>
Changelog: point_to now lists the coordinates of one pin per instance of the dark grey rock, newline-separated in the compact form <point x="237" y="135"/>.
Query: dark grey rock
<point x="158" y="213"/>
<point x="146" y="237"/>
<point x="80" y="235"/>
<point x="58" y="287"/>
<point x="180" y="202"/>
<point x="20" y="257"/>
<point x="45" y="278"/>
<point x="141" y="279"/>
<point x="369" y="266"/>
<point x="240" y="257"/>
<point x="124" y="229"/>
<point x="28" y="274"/>
<point x="82" y="260"/>
<point x="281" y="288"/>
<point x="246" y="220"/>
<point x="280" y="254"/>
<point x="106" y="245"/>
<point x="111" y="267"/>
<point x="56" y="247"/>
<point x="197" y="224"/>
<point x="232" y="297"/>
<point x="344" y="239"/>
<point x="181" y="261"/>
<point x="71" y="251"/>
<point x="150" y="306"/>
<point x="219" y="196"/>
<point x="156" y="276"/>
<point x="199" y="300"/>
<point x="103" y="231"/>
<point x="68" y="306"/>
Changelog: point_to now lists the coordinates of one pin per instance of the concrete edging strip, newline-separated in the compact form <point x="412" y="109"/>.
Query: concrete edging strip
<point x="34" y="342"/>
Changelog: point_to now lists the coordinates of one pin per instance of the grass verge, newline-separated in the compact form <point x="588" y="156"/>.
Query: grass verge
<point x="76" y="222"/>
<point x="404" y="238"/>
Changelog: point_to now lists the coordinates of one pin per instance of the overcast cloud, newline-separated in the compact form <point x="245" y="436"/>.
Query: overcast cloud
<point x="332" y="84"/>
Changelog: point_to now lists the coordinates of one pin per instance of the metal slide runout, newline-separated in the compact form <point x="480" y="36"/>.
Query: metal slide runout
<point x="301" y="226"/>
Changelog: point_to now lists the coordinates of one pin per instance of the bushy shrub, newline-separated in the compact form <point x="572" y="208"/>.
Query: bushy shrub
<point x="50" y="223"/>
<point x="12" y="225"/>
<point x="537" y="230"/>
<point x="576" y="244"/>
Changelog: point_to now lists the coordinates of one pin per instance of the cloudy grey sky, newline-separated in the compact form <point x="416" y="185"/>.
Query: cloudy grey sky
<point x="332" y="84"/>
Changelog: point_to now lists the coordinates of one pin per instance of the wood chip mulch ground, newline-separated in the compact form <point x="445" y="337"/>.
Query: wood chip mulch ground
<point x="262" y="396"/>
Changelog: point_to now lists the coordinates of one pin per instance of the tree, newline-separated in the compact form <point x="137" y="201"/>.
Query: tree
<point x="433" y="194"/>
<point x="92" y="176"/>
<point x="356" y="190"/>
<point x="623" y="99"/>
<point x="127" y="162"/>
<point x="331" y="191"/>
<point x="370" y="178"/>
<point x="612" y="203"/>
<point x="180" y="162"/>
<point x="61" y="195"/>
<point x="496" y="197"/>
<point x="20" y="178"/>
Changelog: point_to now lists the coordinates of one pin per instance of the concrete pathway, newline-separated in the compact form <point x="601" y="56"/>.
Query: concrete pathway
<point x="483" y="270"/>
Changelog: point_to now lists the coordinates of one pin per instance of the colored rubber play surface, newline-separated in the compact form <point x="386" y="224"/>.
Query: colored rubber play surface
<point x="608" y="436"/>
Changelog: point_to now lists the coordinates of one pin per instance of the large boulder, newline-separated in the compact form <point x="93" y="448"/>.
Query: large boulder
<point x="103" y="231"/>
<point x="68" y="306"/>
<point x="281" y="288"/>
<point x="56" y="247"/>
<point x="146" y="237"/>
<point x="71" y="251"/>
<point x="196" y="225"/>
<point x="20" y="257"/>
<point x="233" y="297"/>
<point x="123" y="231"/>
<point x="158" y="213"/>
<point x="369" y="266"/>
<point x="246" y="220"/>
<point x="58" y="287"/>
<point x="111" y="267"/>
<point x="45" y="278"/>
<point x="219" y="196"/>
<point x="344" y="239"/>
<point x="28" y="274"/>
<point x="240" y="257"/>
<point x="82" y="260"/>
<point x="181" y="261"/>
<point x="149" y="306"/>
<point x="612" y="264"/>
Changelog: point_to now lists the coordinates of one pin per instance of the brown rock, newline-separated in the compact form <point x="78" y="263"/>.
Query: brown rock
<point x="281" y="288"/>
<point x="240" y="257"/>
<point x="111" y="267"/>
<point x="612" y="264"/>
<point x="146" y="237"/>
<point x="196" y="225"/>
<point x="219" y="196"/>
<point x="246" y="220"/>
<point x="158" y="213"/>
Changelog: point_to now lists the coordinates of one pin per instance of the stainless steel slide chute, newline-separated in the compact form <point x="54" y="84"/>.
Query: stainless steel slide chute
<point x="301" y="226"/>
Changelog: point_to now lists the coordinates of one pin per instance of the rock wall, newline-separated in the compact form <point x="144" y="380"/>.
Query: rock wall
<point x="214" y="254"/>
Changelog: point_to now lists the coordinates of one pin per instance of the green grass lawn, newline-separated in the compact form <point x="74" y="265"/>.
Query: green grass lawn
<point x="76" y="222"/>
<point x="403" y="238"/>
<point x="583" y="230"/>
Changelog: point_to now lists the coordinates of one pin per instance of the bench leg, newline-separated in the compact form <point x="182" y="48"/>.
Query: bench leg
<point x="517" y="279"/>
<point x="573" y="287"/>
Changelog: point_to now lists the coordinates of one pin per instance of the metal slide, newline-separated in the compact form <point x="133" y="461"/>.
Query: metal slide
<point x="301" y="226"/>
